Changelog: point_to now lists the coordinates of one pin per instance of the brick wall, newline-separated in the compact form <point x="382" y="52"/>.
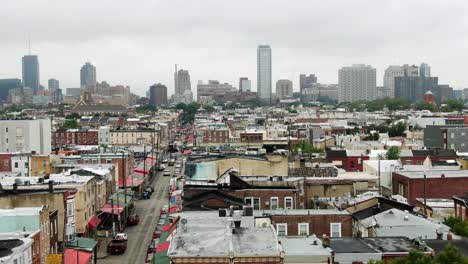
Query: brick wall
<point x="5" y="162"/>
<point x="318" y="224"/>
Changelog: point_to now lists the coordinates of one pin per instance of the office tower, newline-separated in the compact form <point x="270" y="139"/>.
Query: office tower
<point x="88" y="77"/>
<point x="425" y="70"/>
<point x="215" y="91"/>
<point x="57" y="96"/>
<point x="6" y="85"/>
<point x="445" y="92"/>
<point x="413" y="88"/>
<point x="158" y="94"/>
<point x="181" y="82"/>
<point x="53" y="85"/>
<point x="31" y="72"/>
<point x="357" y="83"/>
<point x="397" y="71"/>
<point x="284" y="89"/>
<point x="264" y="72"/>
<point x="244" y="84"/>
<point x="306" y="81"/>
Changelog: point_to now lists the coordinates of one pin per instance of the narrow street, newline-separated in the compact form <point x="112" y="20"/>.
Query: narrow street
<point x="139" y="236"/>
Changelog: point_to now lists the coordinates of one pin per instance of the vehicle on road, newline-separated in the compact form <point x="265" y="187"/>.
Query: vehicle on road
<point x="165" y="161"/>
<point x="117" y="246"/>
<point x="133" y="220"/>
<point x="163" y="210"/>
<point x="167" y="173"/>
<point x="161" y="167"/>
<point x="121" y="236"/>
<point x="171" y="162"/>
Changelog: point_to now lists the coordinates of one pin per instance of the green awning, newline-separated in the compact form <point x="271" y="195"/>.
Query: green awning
<point x="83" y="243"/>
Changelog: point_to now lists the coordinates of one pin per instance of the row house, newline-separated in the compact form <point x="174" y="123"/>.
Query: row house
<point x="124" y="137"/>
<point x="461" y="206"/>
<point x="66" y="137"/>
<point x="417" y="157"/>
<point x="349" y="160"/>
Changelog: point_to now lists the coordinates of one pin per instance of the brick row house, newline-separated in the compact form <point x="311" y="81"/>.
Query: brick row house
<point x="65" y="137"/>
<point x="461" y="207"/>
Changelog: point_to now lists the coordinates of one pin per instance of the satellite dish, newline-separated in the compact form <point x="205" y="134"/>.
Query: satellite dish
<point x="184" y="221"/>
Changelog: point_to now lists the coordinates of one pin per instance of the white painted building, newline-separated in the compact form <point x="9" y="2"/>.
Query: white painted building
<point x="18" y="249"/>
<point x="26" y="136"/>
<point x="20" y="164"/>
<point x="357" y="83"/>
<point x="104" y="135"/>
<point x="264" y="72"/>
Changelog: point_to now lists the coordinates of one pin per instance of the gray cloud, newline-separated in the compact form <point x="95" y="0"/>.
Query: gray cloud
<point x="138" y="42"/>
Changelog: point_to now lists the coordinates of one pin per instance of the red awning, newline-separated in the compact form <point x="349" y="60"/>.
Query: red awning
<point x="139" y="172"/>
<point x="72" y="256"/>
<point x="136" y="182"/>
<point x="187" y="151"/>
<point x="151" y="158"/>
<point x="150" y="161"/>
<point x="107" y="208"/>
<point x="166" y="227"/>
<point x="174" y="209"/>
<point x="163" y="246"/>
<point x="94" y="222"/>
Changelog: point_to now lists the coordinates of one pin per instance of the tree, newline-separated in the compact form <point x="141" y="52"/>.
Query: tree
<point x="305" y="147"/>
<point x="421" y="105"/>
<point x="393" y="153"/>
<point x="146" y="108"/>
<point x="397" y="130"/>
<point x="452" y="105"/>
<point x="71" y="123"/>
<point x="457" y="225"/>
<point x="451" y="254"/>
<point x="372" y="137"/>
<point x="73" y="115"/>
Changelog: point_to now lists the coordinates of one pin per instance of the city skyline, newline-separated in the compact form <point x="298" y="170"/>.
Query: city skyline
<point x="332" y="46"/>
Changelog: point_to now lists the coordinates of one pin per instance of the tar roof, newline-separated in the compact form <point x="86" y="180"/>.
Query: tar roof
<point x="390" y="244"/>
<point x="434" y="174"/>
<point x="207" y="234"/>
<point x="350" y="245"/>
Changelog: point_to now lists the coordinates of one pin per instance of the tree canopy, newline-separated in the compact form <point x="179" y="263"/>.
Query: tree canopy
<point x="71" y="123"/>
<point x="450" y="255"/>
<point x="393" y="153"/>
<point x="305" y="147"/>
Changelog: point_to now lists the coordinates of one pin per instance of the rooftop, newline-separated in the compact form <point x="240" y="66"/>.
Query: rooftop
<point x="301" y="212"/>
<point x="350" y="245"/>
<point x="207" y="234"/>
<point x="302" y="245"/>
<point x="390" y="244"/>
<point x="434" y="174"/>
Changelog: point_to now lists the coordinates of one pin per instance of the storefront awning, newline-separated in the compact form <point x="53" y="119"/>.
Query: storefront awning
<point x="73" y="256"/>
<point x="116" y="209"/>
<point x="163" y="246"/>
<point x="94" y="222"/>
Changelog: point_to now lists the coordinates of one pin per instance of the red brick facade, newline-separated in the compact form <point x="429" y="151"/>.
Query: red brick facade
<point x="444" y="187"/>
<point x="318" y="224"/>
<point x="5" y="162"/>
<point x="62" y="137"/>
<point x="461" y="207"/>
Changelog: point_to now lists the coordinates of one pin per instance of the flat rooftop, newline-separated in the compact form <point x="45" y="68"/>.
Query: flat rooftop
<point x="434" y="174"/>
<point x="350" y="245"/>
<point x="303" y="246"/>
<point x="301" y="212"/>
<point x="390" y="244"/>
<point x="207" y="235"/>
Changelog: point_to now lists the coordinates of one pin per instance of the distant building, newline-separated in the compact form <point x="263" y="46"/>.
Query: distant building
<point x="382" y="92"/>
<point x="66" y="137"/>
<point x="88" y="76"/>
<point x="57" y="97"/>
<point x="264" y="66"/>
<point x="284" y="89"/>
<point x="244" y="85"/>
<point x="446" y="137"/>
<point x="413" y="88"/>
<point x="6" y="85"/>
<point x="215" y="91"/>
<point x="445" y="92"/>
<point x="306" y="81"/>
<point x="158" y="94"/>
<point x="357" y="83"/>
<point x="53" y="84"/>
<point x="425" y="70"/>
<point x="26" y="136"/>
<point x="429" y="98"/>
<point x="396" y="71"/>
<point x="182" y="81"/>
<point x="31" y="72"/>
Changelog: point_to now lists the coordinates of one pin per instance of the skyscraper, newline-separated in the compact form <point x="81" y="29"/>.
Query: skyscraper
<point x="158" y="94"/>
<point x="396" y="71"/>
<point x="284" y="89"/>
<point x="306" y="81"/>
<point x="264" y="72"/>
<point x="88" y="76"/>
<point x="181" y="82"/>
<point x="31" y="72"/>
<point x="413" y="88"/>
<point x="357" y="82"/>
<point x="6" y="85"/>
<point x="244" y="85"/>
<point x="425" y="70"/>
<point x="53" y="85"/>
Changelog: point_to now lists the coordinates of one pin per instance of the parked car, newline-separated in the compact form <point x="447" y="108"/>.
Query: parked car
<point x="167" y="173"/>
<point x="117" y="246"/>
<point x="164" y="209"/>
<point x="165" y="161"/>
<point x="171" y="162"/>
<point x="162" y="167"/>
<point x="121" y="236"/>
<point x="133" y="219"/>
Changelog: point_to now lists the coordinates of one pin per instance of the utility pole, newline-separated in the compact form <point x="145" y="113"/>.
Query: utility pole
<point x="425" y="194"/>
<point x="125" y="187"/>
<point x="380" y="189"/>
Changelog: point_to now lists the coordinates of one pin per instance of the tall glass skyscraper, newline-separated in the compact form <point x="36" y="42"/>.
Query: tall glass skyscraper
<point x="88" y="75"/>
<point x="264" y="72"/>
<point x="31" y="72"/>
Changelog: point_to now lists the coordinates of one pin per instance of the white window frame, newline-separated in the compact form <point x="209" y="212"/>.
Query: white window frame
<point x="292" y="202"/>
<point x="299" y="229"/>
<point x="331" y="229"/>
<point x="271" y="203"/>
<point x="285" y="229"/>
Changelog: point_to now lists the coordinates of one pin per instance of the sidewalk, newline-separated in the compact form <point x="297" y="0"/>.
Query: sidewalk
<point x="102" y="246"/>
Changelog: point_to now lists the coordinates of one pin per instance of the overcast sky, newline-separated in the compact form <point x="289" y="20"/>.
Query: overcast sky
<point x="137" y="43"/>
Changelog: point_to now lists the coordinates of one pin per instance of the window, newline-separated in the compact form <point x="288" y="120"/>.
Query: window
<point x="452" y="135"/>
<point x="401" y="189"/>
<point x="253" y="201"/>
<point x="303" y="229"/>
<point x="36" y="164"/>
<point x="282" y="229"/>
<point x="288" y="203"/>
<point x="6" y="163"/>
<point x="274" y="203"/>
<point x="335" y="229"/>
<point x="16" y="164"/>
